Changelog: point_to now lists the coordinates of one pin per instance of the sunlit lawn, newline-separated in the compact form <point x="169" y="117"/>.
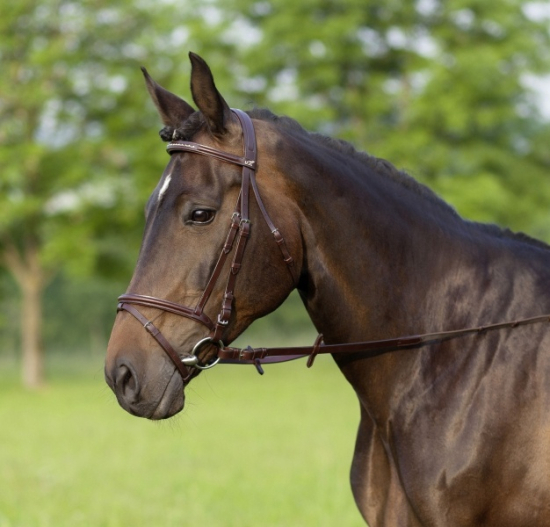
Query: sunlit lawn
<point x="247" y="451"/>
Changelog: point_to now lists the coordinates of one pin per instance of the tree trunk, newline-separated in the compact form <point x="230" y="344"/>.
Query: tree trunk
<point x="26" y="267"/>
<point x="31" y="332"/>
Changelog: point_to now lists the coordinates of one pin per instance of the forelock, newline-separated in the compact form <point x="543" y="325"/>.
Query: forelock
<point x="186" y="131"/>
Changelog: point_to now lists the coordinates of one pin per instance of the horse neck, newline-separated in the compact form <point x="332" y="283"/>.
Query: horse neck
<point x="383" y="260"/>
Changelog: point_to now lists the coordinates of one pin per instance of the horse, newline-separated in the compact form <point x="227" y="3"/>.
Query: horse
<point x="454" y="425"/>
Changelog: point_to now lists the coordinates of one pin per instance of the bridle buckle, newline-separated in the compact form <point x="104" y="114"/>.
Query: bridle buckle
<point x="222" y="322"/>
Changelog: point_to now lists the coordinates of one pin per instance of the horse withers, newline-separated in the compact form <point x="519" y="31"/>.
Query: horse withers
<point x="455" y="426"/>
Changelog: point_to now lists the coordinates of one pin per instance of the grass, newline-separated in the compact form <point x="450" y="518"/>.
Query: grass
<point x="247" y="451"/>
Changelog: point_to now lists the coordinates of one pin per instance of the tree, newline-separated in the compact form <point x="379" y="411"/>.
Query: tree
<point x="437" y="87"/>
<point x="78" y="151"/>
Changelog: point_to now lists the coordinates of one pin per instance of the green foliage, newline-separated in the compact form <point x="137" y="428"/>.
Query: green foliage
<point x="78" y="134"/>
<point x="438" y="88"/>
<point x="79" y="152"/>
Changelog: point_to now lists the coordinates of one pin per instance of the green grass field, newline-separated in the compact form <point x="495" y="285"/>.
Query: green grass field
<point x="247" y="451"/>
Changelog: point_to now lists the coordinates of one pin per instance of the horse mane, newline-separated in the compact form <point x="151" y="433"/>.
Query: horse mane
<point x="379" y="165"/>
<point x="385" y="168"/>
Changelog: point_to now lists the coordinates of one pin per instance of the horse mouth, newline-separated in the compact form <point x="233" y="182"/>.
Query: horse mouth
<point x="171" y="401"/>
<point x="146" y="394"/>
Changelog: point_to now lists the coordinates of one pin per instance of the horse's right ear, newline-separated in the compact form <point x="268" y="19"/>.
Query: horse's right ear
<point x="172" y="110"/>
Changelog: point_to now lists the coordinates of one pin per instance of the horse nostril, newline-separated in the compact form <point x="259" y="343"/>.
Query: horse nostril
<point x="126" y="383"/>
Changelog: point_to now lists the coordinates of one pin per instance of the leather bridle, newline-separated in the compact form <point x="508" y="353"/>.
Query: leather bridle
<point x="236" y="240"/>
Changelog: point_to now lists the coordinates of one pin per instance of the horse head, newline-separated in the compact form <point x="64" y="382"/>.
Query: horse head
<point x="211" y="259"/>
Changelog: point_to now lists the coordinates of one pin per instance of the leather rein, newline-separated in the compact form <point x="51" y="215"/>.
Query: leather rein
<point x="236" y="240"/>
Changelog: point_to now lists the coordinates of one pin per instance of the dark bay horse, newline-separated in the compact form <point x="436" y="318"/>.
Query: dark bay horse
<point x="453" y="431"/>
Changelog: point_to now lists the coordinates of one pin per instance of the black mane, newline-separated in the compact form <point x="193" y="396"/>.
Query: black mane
<point x="387" y="169"/>
<point x="379" y="165"/>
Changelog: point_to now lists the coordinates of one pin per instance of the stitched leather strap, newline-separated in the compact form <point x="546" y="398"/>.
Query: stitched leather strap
<point x="227" y="247"/>
<point x="366" y="349"/>
<point x="185" y="372"/>
<point x="276" y="234"/>
<point x="196" y="148"/>
<point x="165" y="305"/>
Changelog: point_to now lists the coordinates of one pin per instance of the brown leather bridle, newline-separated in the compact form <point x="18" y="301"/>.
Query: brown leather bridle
<point x="236" y="240"/>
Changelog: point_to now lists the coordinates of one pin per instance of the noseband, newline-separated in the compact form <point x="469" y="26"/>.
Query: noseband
<point x="237" y="237"/>
<point x="236" y="240"/>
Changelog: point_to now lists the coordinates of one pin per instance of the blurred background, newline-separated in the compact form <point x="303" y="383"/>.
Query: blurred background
<point x="455" y="92"/>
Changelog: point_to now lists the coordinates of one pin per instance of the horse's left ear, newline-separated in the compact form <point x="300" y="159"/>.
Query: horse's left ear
<point x="172" y="110"/>
<point x="207" y="97"/>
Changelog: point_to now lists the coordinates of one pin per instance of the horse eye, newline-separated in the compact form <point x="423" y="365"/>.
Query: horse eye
<point x="202" y="216"/>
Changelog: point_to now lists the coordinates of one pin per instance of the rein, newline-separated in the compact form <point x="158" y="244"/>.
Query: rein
<point x="236" y="240"/>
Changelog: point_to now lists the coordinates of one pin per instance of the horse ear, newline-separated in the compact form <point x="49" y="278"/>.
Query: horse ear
<point x="207" y="97"/>
<point x="173" y="110"/>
